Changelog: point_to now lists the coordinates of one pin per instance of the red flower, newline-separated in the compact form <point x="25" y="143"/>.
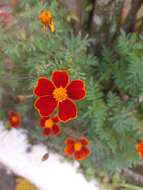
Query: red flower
<point x="60" y="92"/>
<point x="139" y="148"/>
<point x="78" y="148"/>
<point x="14" y="119"/>
<point x="49" y="126"/>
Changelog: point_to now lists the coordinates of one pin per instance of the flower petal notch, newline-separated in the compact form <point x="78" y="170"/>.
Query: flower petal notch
<point x="14" y="119"/>
<point x="78" y="148"/>
<point x="59" y="93"/>
<point x="47" y="20"/>
<point x="49" y="126"/>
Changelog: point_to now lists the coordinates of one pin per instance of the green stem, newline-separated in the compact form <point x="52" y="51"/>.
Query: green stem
<point x="132" y="187"/>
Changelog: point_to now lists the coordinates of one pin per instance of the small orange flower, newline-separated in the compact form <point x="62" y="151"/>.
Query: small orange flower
<point x="77" y="147"/>
<point x="14" y="119"/>
<point x="139" y="148"/>
<point x="50" y="126"/>
<point x="46" y="18"/>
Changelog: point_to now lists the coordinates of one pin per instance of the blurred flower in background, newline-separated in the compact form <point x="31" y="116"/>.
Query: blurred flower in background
<point x="78" y="148"/>
<point x="14" y="119"/>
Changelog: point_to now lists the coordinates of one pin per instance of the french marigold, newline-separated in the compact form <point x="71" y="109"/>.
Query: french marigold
<point x="14" y="119"/>
<point x="78" y="148"/>
<point x="50" y="126"/>
<point x="139" y="148"/>
<point x="46" y="18"/>
<point x="60" y="92"/>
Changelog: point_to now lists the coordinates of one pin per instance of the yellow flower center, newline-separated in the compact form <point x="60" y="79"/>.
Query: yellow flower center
<point x="60" y="94"/>
<point x="49" y="123"/>
<point x="77" y="146"/>
<point x="14" y="119"/>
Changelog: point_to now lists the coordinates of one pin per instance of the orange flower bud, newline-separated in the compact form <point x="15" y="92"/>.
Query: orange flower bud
<point x="46" y="18"/>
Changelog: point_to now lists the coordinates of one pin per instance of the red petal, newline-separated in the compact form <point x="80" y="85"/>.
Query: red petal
<point x="60" y="78"/>
<point x="81" y="155"/>
<point x="76" y="90"/>
<point x="56" y="119"/>
<point x="70" y="141"/>
<point x="45" y="105"/>
<point x="42" y="121"/>
<point x="56" y="130"/>
<point x="44" y="87"/>
<point x="67" y="110"/>
<point x="85" y="152"/>
<point x="84" y="141"/>
<point x="47" y="132"/>
<point x="77" y="155"/>
<point x="139" y="147"/>
<point x="69" y="150"/>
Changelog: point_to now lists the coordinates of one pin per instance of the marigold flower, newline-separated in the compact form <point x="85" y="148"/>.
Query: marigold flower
<point x="14" y="119"/>
<point x="139" y="148"/>
<point x="46" y="18"/>
<point x="78" y="148"/>
<point x="49" y="126"/>
<point x="60" y="92"/>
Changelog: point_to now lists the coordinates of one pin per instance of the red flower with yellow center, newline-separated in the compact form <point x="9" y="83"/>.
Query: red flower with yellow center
<point x="14" y="119"/>
<point x="78" y="148"/>
<point x="49" y="126"/>
<point x="46" y="18"/>
<point x="139" y="148"/>
<point x="60" y="92"/>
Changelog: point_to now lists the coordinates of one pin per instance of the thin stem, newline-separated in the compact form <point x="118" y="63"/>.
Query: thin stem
<point x="132" y="187"/>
